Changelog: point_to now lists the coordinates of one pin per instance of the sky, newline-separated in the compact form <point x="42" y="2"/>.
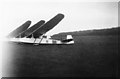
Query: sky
<point x="119" y="13"/>
<point x="79" y="15"/>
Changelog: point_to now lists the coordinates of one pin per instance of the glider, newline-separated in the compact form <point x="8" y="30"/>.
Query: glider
<point x="36" y="34"/>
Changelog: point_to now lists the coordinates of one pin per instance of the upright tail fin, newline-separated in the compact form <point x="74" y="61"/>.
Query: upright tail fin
<point x="69" y="39"/>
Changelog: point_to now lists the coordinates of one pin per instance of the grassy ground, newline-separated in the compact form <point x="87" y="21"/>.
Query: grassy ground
<point x="90" y="56"/>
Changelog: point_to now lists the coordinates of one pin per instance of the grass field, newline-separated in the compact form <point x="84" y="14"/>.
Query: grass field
<point x="90" y="56"/>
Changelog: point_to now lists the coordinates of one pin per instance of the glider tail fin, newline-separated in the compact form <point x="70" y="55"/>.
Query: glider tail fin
<point x="69" y="39"/>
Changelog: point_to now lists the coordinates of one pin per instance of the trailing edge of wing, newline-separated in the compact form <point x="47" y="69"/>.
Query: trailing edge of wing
<point x="47" y="26"/>
<point x="20" y="29"/>
<point x="31" y="29"/>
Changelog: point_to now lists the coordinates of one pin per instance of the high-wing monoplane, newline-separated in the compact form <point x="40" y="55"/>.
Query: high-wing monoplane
<point x="36" y="34"/>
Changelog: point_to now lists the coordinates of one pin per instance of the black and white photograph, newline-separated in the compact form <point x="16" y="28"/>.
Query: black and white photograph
<point x="59" y="38"/>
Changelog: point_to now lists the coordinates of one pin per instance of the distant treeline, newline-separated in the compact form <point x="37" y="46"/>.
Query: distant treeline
<point x="100" y="32"/>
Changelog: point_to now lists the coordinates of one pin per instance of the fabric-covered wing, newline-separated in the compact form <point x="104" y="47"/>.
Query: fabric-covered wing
<point x="32" y="28"/>
<point x="47" y="26"/>
<point x="20" y="29"/>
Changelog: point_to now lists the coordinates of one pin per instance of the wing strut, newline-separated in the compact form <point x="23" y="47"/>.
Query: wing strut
<point x="41" y="39"/>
